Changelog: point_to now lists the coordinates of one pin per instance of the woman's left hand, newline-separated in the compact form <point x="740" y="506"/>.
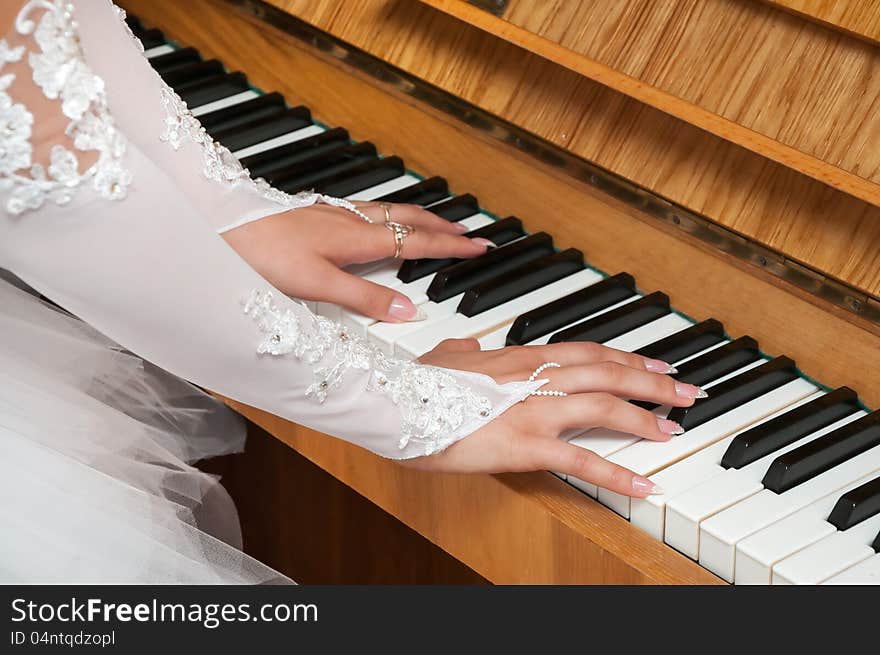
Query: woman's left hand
<point x="302" y="252"/>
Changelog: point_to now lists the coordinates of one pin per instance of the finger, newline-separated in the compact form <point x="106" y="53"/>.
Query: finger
<point x="412" y="215"/>
<point x="557" y="455"/>
<point x="600" y="409"/>
<point x="586" y="352"/>
<point x="623" y="381"/>
<point x="422" y="243"/>
<point x="456" y="346"/>
<point x="362" y="296"/>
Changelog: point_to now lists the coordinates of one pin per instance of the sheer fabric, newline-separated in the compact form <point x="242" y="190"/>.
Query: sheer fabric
<point x="138" y="257"/>
<point x="96" y="446"/>
<point x="111" y="200"/>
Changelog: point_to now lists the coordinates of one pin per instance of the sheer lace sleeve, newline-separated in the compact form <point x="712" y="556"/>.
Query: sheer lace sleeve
<point x="98" y="222"/>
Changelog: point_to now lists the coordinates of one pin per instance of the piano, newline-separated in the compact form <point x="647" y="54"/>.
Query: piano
<point x="690" y="181"/>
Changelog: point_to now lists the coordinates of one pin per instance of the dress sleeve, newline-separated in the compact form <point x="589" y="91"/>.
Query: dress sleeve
<point x="115" y="233"/>
<point x="207" y="173"/>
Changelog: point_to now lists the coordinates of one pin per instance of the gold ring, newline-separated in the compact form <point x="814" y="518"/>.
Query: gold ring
<point x="387" y="207"/>
<point x="400" y="232"/>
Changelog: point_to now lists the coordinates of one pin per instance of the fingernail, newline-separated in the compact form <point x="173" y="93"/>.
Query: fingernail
<point x="659" y="366"/>
<point x="402" y="309"/>
<point x="669" y="427"/>
<point x="461" y="228"/>
<point x="689" y="391"/>
<point x="484" y="242"/>
<point x="645" y="486"/>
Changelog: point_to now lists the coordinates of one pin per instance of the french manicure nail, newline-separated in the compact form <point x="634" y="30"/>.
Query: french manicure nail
<point x="461" y="228"/>
<point x="659" y="366"/>
<point x="402" y="309"/>
<point x="484" y="242"/>
<point x="689" y="391"/>
<point x="645" y="486"/>
<point x="669" y="427"/>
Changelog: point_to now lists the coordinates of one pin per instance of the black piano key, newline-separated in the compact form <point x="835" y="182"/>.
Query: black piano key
<point x="521" y="281"/>
<point x="789" y="427"/>
<point x="457" y="208"/>
<point x="289" y="154"/>
<point x="349" y="180"/>
<point x="336" y="158"/>
<point x="715" y="364"/>
<point x="270" y="104"/>
<point x="856" y="505"/>
<point x="498" y="232"/>
<point x="362" y="177"/>
<point x="685" y="343"/>
<point x="719" y="362"/>
<point x="876" y="544"/>
<point x="805" y="462"/>
<point x="135" y="24"/>
<point x="736" y="391"/>
<point x="181" y="76"/>
<point x="421" y="193"/>
<point x="617" y="321"/>
<point x="265" y="128"/>
<point x="568" y="309"/>
<point x="460" y="277"/>
<point x="174" y="59"/>
<point x="213" y="88"/>
<point x="152" y="38"/>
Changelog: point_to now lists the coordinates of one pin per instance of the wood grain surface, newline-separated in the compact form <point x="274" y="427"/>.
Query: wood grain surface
<point x="522" y="528"/>
<point x="774" y="203"/>
<point x="860" y="18"/>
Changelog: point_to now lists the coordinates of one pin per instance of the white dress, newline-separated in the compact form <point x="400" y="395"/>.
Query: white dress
<point x="111" y="201"/>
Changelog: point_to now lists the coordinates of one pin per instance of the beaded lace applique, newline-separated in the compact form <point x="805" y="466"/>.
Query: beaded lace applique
<point x="60" y="70"/>
<point x="433" y="404"/>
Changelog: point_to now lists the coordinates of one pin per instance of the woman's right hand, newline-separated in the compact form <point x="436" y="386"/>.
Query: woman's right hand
<point x="598" y="380"/>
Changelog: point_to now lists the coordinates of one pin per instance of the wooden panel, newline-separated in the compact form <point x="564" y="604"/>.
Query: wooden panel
<point x="532" y="528"/>
<point x="303" y="522"/>
<point x="783" y="209"/>
<point x="860" y="18"/>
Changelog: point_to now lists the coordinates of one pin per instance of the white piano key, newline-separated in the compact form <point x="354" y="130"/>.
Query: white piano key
<point x="385" y="188"/>
<point x="477" y="221"/>
<point x="829" y="556"/>
<point x="863" y="573"/>
<point x="163" y="49"/>
<point x="756" y="554"/>
<point x="720" y="533"/>
<point x="685" y="512"/>
<point x="648" y="457"/>
<point x="458" y="325"/>
<point x="649" y="514"/>
<point x="222" y="103"/>
<point x="642" y="336"/>
<point x="283" y="140"/>
<point x="386" y="335"/>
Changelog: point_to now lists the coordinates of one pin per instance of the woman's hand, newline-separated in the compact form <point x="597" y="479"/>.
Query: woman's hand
<point x="302" y="252"/>
<point x="598" y="381"/>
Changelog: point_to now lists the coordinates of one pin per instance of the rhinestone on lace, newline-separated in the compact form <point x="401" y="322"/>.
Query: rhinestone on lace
<point x="433" y="404"/>
<point x="60" y="70"/>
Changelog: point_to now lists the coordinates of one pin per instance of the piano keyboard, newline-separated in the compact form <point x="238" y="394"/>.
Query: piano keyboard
<point x="775" y="480"/>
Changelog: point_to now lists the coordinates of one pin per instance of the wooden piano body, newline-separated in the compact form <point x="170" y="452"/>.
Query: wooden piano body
<point x="721" y="151"/>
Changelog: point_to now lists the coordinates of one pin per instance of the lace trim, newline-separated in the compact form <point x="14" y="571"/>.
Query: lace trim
<point x="120" y="13"/>
<point x="433" y="404"/>
<point x="60" y="70"/>
<point x="220" y="165"/>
